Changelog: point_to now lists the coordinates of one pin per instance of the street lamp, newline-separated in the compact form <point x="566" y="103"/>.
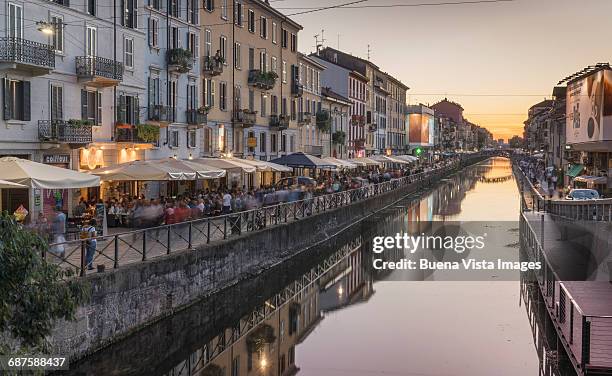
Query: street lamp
<point x="45" y="27"/>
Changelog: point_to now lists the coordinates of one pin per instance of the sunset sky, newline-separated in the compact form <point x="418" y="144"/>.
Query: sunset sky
<point x="496" y="59"/>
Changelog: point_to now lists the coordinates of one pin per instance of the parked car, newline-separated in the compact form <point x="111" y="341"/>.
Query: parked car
<point x="582" y="194"/>
<point x="296" y="180"/>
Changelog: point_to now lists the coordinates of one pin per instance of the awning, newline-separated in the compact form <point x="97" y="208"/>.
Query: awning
<point x="8" y="184"/>
<point x="227" y="164"/>
<point x="575" y="170"/>
<point x="367" y="161"/>
<point x="37" y="175"/>
<point x="592" y="179"/>
<point x="159" y="170"/>
<point x="339" y="163"/>
<point x="264" y="166"/>
<point x="387" y="159"/>
<point x="303" y="160"/>
<point x="407" y="158"/>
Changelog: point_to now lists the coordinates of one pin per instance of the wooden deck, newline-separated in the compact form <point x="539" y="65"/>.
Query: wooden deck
<point x="577" y="296"/>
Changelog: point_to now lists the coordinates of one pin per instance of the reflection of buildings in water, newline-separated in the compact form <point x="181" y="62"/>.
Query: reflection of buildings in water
<point x="264" y="342"/>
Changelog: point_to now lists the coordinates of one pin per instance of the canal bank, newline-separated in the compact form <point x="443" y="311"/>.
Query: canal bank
<point x="132" y="297"/>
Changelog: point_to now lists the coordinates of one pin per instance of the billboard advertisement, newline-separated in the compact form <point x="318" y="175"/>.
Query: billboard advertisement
<point x="589" y="109"/>
<point x="421" y="129"/>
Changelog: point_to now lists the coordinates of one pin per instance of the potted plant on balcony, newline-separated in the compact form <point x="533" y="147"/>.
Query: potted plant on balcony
<point x="260" y="337"/>
<point x="339" y="137"/>
<point x="203" y="110"/>
<point x="147" y="132"/>
<point x="181" y="58"/>
<point x="79" y="123"/>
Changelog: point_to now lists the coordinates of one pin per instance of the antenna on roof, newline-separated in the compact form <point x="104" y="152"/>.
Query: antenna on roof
<point x="319" y="43"/>
<point x="369" y="51"/>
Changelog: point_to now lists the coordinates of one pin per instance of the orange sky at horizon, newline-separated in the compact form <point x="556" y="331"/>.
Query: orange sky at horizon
<point x="495" y="59"/>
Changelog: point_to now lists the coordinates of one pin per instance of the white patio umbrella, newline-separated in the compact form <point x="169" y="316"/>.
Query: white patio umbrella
<point x="8" y="184"/>
<point x="226" y="164"/>
<point x="408" y="158"/>
<point x="387" y="159"/>
<point x="153" y="170"/>
<point x="263" y="165"/>
<point x="340" y="163"/>
<point x="367" y="161"/>
<point x="37" y="175"/>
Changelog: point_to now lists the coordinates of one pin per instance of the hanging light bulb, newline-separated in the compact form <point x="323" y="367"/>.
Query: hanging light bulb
<point x="45" y="27"/>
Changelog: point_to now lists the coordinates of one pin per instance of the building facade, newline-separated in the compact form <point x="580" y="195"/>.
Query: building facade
<point x="338" y="108"/>
<point x="250" y="79"/>
<point x="312" y="118"/>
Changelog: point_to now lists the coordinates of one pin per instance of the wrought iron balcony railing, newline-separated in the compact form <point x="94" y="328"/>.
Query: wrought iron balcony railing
<point x="261" y="79"/>
<point x="161" y="113"/>
<point x="195" y="117"/>
<point x="92" y="67"/>
<point x="304" y="118"/>
<point x="18" y="50"/>
<point x="245" y="118"/>
<point x="63" y="131"/>
<point x="212" y="65"/>
<point x="180" y="60"/>
<point x="279" y="122"/>
<point x="130" y="135"/>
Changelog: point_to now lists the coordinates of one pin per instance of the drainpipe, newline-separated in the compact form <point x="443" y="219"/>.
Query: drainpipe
<point x="167" y="71"/>
<point x="233" y="78"/>
<point x="114" y="69"/>
<point x="281" y="81"/>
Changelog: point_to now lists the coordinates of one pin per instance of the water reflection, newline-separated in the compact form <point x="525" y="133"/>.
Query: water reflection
<point x="328" y="312"/>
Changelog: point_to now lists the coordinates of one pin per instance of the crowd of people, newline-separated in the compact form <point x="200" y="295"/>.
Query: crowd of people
<point x="546" y="179"/>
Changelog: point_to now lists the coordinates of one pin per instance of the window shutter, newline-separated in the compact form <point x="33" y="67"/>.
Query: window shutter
<point x="197" y="46"/>
<point x="123" y="12"/>
<point x="6" y="90"/>
<point x="150" y="31"/>
<point x="121" y="114"/>
<point x="60" y="102"/>
<point x="135" y="18"/>
<point x="27" y="113"/>
<point x="84" y="104"/>
<point x="212" y="93"/>
<point x="136" y="103"/>
<point x="99" y="108"/>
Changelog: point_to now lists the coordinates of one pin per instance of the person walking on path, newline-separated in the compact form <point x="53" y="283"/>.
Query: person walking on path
<point x="88" y="233"/>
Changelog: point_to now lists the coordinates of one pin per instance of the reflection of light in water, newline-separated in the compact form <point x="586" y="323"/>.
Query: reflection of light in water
<point x="340" y="290"/>
<point x="263" y="362"/>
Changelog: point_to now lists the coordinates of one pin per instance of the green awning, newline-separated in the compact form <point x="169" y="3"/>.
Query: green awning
<point x="575" y="170"/>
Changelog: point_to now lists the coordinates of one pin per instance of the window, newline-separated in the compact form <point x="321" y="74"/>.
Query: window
<point x="91" y="106"/>
<point x="238" y="13"/>
<point x="129" y="13"/>
<point x="155" y="4"/>
<point x="224" y="9"/>
<point x="209" y="5"/>
<point x="209" y="92"/>
<point x="291" y="144"/>
<point x="16" y="96"/>
<point x="172" y="97"/>
<point x="128" y="110"/>
<point x="263" y="66"/>
<point x="273" y="143"/>
<point x="262" y="142"/>
<point x="284" y="38"/>
<point x="57" y="39"/>
<point x="91" y="43"/>
<point x="153" y="32"/>
<point x="192" y="11"/>
<point x="175" y="40"/>
<point x="251" y="58"/>
<point x="274" y="32"/>
<point x="293" y="42"/>
<point x="91" y="7"/>
<point x="237" y="62"/>
<point x="284" y="72"/>
<point x="236" y="366"/>
<point x="274" y="105"/>
<point x="263" y="27"/>
<point x="251" y="148"/>
<point x="284" y="143"/>
<point x="251" y="100"/>
<point x="174" y="8"/>
<point x="274" y="65"/>
<point x="192" y="96"/>
<point x="191" y="138"/>
<point x="207" y="43"/>
<point x="173" y="142"/>
<point x="15" y="19"/>
<point x="57" y="102"/>
<point x="193" y="44"/>
<point x="223" y="48"/>
<point x="154" y="92"/>
<point x="237" y="97"/>
<point x="264" y="104"/>
<point x="128" y="60"/>
<point x="223" y="96"/>
<point x="251" y="20"/>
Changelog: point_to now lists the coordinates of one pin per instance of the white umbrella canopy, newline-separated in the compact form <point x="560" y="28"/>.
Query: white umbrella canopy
<point x="408" y="158"/>
<point x="226" y="164"/>
<point x="367" y="161"/>
<point x="8" y="184"/>
<point x="152" y="170"/>
<point x="265" y="165"/>
<point x="37" y="175"/>
<point x="386" y="159"/>
<point x="340" y="163"/>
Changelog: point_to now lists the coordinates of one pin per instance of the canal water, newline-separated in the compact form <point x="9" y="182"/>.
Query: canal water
<point x="329" y="312"/>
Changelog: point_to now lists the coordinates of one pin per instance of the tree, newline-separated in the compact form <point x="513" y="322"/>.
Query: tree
<point x="516" y="142"/>
<point x="33" y="292"/>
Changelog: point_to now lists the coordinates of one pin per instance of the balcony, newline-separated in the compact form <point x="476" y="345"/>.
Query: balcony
<point x="245" y="118"/>
<point x="297" y="89"/>
<point x="323" y="121"/>
<point x="98" y="72"/>
<point x="315" y="150"/>
<point x="26" y="56"/>
<point x="358" y="120"/>
<point x="179" y="60"/>
<point x="212" y="65"/>
<point x="161" y="113"/>
<point x="197" y="117"/>
<point x="75" y="132"/>
<point x="262" y="80"/>
<point x="372" y="127"/>
<point x="279" y="122"/>
<point x="304" y="118"/>
<point x="139" y="134"/>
